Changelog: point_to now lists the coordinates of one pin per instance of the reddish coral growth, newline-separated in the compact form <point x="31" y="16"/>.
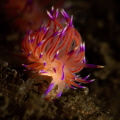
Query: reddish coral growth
<point x="28" y="14"/>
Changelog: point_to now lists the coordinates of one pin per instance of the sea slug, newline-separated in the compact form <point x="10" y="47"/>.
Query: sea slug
<point x="57" y="50"/>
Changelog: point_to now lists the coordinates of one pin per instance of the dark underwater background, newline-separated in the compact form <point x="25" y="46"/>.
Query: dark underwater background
<point x="98" y="22"/>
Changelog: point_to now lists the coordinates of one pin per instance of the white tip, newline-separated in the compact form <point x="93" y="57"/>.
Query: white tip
<point x="52" y="8"/>
<point x="58" y="52"/>
<point x="49" y="15"/>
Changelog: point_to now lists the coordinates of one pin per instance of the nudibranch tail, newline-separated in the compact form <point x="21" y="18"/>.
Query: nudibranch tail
<point x="57" y="50"/>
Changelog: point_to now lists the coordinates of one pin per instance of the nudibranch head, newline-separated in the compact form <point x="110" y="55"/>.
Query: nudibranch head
<point x="57" y="50"/>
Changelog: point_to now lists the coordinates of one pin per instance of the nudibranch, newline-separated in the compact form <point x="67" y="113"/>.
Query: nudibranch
<point x="57" y="50"/>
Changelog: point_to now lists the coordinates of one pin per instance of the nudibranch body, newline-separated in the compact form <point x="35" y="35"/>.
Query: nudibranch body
<point x="57" y="50"/>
